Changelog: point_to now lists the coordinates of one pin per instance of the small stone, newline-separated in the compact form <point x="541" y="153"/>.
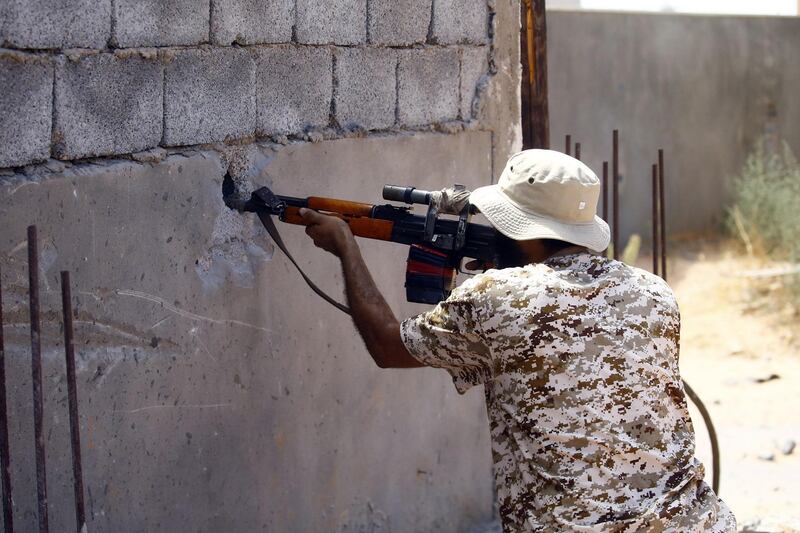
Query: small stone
<point x="450" y="126"/>
<point x="765" y="379"/>
<point x="54" y="165"/>
<point x="156" y="155"/>
<point x="788" y="446"/>
<point x="768" y="456"/>
<point x="736" y="349"/>
<point x="329" y="134"/>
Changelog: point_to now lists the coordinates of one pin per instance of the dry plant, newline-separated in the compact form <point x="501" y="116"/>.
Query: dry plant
<point x="765" y="214"/>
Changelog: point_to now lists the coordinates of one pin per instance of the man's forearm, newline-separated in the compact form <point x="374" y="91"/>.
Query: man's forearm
<point x="373" y="317"/>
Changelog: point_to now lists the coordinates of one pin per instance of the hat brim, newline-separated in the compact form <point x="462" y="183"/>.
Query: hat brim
<point x="520" y="225"/>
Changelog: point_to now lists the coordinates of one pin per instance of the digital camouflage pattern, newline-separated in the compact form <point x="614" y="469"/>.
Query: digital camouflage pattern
<point x="589" y="422"/>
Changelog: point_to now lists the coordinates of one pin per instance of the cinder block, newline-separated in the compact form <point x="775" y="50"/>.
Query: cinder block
<point x="55" y="23"/>
<point x="26" y="108"/>
<point x="251" y="21"/>
<point x="365" y="94"/>
<point x="293" y="88"/>
<point x="392" y="22"/>
<point x="474" y="64"/>
<point x="209" y="95"/>
<point x="428" y="86"/>
<point x="331" y="21"/>
<point x="107" y="104"/>
<point x="460" y="21"/>
<point x="160" y="22"/>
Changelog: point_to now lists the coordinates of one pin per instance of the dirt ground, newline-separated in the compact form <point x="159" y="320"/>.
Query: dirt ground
<point x="740" y="351"/>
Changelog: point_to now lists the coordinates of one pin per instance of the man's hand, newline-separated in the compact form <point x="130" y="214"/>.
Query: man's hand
<point x="332" y="234"/>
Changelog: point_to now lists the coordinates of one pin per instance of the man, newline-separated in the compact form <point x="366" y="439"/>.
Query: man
<point x="578" y="355"/>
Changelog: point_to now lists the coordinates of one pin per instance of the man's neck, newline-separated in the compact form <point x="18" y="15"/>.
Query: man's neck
<point x="570" y="250"/>
<point x="535" y="251"/>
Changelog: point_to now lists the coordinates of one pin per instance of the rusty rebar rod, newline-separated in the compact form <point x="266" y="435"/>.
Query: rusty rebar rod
<point x="578" y="151"/>
<point x="615" y="191"/>
<point x="36" y="375"/>
<point x="605" y="191"/>
<point x="568" y="145"/>
<point x="655" y="220"/>
<point x="72" y="395"/>
<point x="5" y="450"/>
<point x="662" y="209"/>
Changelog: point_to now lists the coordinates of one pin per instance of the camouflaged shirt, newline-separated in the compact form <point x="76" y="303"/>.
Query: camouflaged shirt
<point x="589" y="422"/>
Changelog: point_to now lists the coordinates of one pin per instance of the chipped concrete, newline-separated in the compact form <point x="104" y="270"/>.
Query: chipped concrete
<point x="238" y="245"/>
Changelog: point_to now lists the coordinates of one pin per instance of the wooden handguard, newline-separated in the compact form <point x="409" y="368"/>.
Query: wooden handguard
<point x="360" y="225"/>
<point x="342" y="207"/>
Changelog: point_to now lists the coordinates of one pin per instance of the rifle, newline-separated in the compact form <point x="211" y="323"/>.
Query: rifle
<point x="438" y="245"/>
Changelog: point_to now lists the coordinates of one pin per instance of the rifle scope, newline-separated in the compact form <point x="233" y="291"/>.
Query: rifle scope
<point x="409" y="195"/>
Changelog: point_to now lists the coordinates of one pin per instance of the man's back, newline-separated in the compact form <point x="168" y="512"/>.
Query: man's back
<point x="590" y="428"/>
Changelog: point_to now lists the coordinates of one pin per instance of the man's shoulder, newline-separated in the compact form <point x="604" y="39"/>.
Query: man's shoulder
<point x="578" y="275"/>
<point x="498" y="281"/>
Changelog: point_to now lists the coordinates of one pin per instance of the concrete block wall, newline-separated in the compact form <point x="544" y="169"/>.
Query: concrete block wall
<point x="133" y="75"/>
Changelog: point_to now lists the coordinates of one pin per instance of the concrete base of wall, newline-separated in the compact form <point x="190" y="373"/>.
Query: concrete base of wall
<point x="217" y="392"/>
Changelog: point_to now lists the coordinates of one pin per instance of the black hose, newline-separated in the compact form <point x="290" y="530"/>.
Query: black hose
<point x="712" y="435"/>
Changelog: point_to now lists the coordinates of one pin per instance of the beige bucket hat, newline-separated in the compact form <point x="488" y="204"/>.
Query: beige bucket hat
<point x="544" y="194"/>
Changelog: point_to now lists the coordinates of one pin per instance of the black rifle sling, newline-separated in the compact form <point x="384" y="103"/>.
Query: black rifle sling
<point x="269" y="225"/>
